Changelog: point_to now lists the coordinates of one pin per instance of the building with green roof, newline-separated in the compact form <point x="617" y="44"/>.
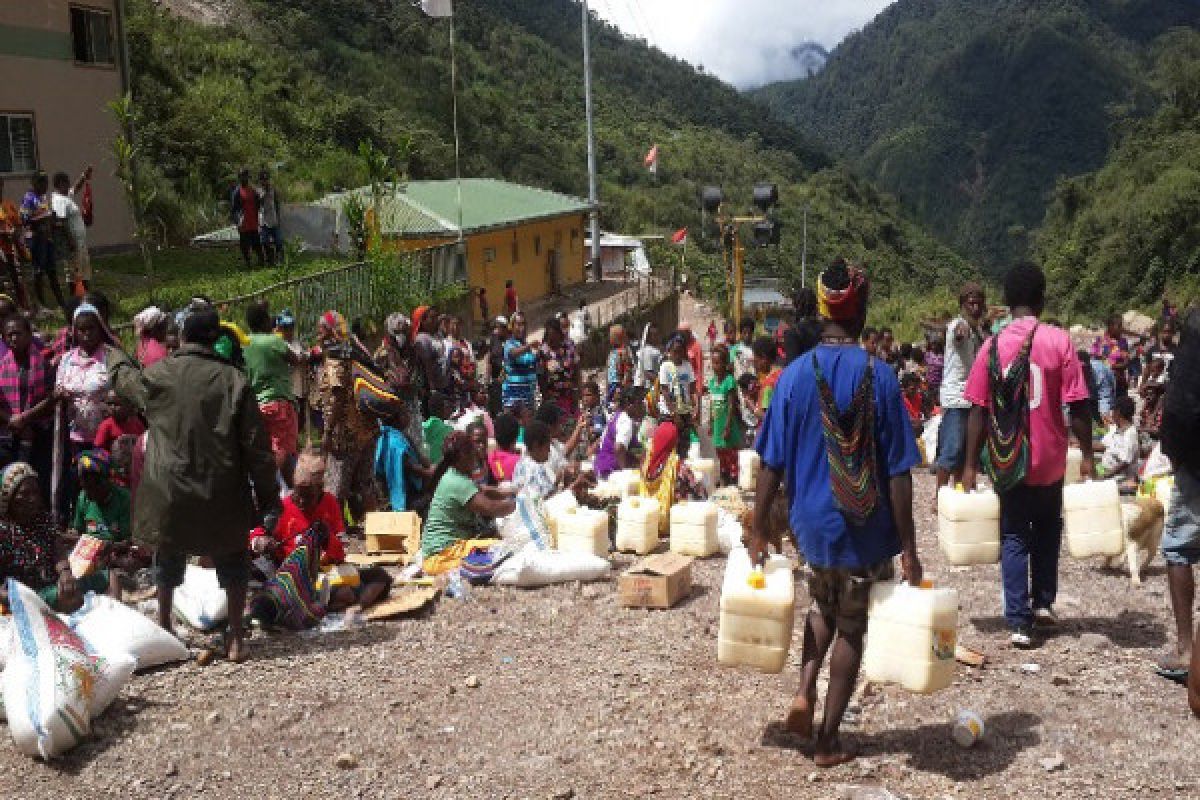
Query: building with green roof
<point x="533" y="237"/>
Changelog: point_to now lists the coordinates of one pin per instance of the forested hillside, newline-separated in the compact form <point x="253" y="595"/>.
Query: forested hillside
<point x="1130" y="230"/>
<point x="298" y="85"/>
<point x="970" y="110"/>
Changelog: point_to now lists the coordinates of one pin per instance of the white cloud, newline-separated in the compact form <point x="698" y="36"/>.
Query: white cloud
<point x="745" y="42"/>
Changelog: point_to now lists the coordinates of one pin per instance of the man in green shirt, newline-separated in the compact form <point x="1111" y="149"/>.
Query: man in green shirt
<point x="457" y="507"/>
<point x="268" y="362"/>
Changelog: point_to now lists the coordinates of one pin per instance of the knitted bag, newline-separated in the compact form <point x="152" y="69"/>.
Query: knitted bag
<point x="1008" y="418"/>
<point x="850" y="446"/>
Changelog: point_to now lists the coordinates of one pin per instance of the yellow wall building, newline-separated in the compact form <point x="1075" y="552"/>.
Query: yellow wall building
<point x="530" y="236"/>
<point x="61" y="64"/>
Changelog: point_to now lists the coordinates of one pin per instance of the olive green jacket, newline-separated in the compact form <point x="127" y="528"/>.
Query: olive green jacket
<point x="206" y="449"/>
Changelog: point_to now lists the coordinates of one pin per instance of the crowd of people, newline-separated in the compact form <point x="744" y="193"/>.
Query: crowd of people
<point x="45" y="237"/>
<point x="300" y="440"/>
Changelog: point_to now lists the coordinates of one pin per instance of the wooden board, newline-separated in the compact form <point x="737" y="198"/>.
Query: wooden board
<point x="384" y="560"/>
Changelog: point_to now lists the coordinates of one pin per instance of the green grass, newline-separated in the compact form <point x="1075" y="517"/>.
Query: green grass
<point x="180" y="272"/>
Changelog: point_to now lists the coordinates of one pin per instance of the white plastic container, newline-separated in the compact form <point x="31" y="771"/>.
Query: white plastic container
<point x="1092" y="519"/>
<point x="694" y="529"/>
<point x="555" y="506"/>
<point x="969" y="526"/>
<point x="755" y="626"/>
<point x="637" y="525"/>
<point x="582" y="530"/>
<point x="749" y="463"/>
<point x="911" y="636"/>
<point x="1074" y="466"/>
<point x="625" y="483"/>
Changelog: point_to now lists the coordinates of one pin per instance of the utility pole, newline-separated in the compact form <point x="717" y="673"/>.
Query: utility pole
<point x="804" y="253"/>
<point x="593" y="200"/>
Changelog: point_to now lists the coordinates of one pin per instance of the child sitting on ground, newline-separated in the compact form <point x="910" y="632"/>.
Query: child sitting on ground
<point x="1121" y="447"/>
<point x="102" y="512"/>
<point x="309" y="505"/>
<point x="399" y="465"/>
<point x="121" y="421"/>
<point x="538" y="474"/>
<point x="476" y="411"/>
<point x="436" y="428"/>
<point x="502" y="462"/>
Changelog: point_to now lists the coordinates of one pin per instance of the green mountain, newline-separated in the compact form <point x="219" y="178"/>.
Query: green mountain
<point x="970" y="110"/>
<point x="298" y="85"/>
<point x="1131" y="230"/>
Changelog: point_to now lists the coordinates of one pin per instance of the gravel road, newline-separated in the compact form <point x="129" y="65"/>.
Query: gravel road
<point x="561" y="693"/>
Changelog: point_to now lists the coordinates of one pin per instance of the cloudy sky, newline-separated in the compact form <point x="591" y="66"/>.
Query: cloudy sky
<point x="745" y="42"/>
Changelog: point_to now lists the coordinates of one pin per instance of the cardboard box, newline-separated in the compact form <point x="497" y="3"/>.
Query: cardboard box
<point x="394" y="532"/>
<point x="659" y="581"/>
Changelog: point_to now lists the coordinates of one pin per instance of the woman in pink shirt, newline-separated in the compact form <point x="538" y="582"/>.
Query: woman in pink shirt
<point x="150" y="325"/>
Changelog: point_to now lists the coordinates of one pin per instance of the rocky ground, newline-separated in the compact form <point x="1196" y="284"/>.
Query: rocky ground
<point x="561" y="693"/>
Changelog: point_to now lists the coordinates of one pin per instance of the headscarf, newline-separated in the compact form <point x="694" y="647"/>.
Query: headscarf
<point x="84" y="308"/>
<point x="417" y="318"/>
<point x="148" y="319"/>
<point x="842" y="305"/>
<point x="10" y="480"/>
<point x="395" y="323"/>
<point x="285" y="319"/>
<point x="93" y="462"/>
<point x="334" y="325"/>
<point x="662" y="444"/>
<point x="308" y="467"/>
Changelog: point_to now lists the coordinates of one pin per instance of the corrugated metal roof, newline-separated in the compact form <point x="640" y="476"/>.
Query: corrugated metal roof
<point x="752" y="296"/>
<point x="430" y="208"/>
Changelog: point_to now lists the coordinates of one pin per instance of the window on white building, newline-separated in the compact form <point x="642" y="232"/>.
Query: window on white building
<point x="18" y="147"/>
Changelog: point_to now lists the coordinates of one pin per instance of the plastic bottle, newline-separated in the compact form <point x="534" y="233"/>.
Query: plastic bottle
<point x="457" y="588"/>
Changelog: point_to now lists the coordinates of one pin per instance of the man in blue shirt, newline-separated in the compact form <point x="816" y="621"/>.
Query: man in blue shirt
<point x="838" y="438"/>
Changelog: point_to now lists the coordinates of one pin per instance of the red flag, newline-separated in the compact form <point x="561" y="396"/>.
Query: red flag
<point x="679" y="237"/>
<point x="651" y="159"/>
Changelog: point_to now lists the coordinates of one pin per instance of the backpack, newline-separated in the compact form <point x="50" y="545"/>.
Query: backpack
<point x="1007" y="452"/>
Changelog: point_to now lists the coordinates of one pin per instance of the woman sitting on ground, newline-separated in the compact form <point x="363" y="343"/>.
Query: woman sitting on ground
<point x="619" y="446"/>
<point x="665" y="476"/>
<point x="456" y="521"/>
<point x="30" y="548"/>
<point x="309" y="505"/>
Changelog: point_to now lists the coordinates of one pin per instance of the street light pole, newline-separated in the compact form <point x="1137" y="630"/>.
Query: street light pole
<point x="593" y="200"/>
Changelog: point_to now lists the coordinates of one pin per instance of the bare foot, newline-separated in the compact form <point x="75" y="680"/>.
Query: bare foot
<point x="236" y="650"/>
<point x="832" y="753"/>
<point x="799" y="720"/>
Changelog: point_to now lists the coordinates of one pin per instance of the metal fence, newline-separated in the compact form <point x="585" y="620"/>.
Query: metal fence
<point x="646" y="291"/>
<point x="361" y="289"/>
